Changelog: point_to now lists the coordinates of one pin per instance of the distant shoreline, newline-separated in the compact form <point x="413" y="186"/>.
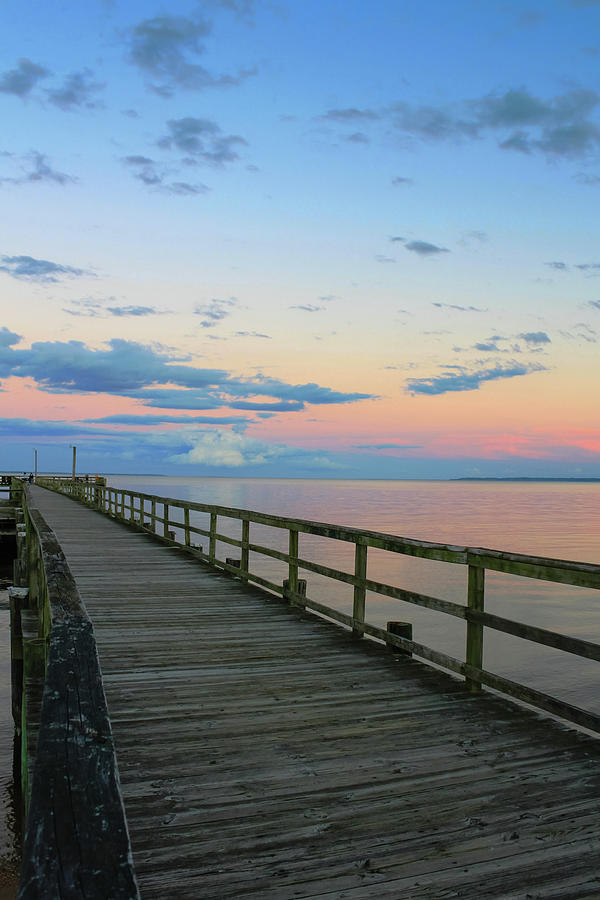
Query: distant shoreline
<point x="520" y="478"/>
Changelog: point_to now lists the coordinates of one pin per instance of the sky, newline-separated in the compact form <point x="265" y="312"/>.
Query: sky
<point x="307" y="239"/>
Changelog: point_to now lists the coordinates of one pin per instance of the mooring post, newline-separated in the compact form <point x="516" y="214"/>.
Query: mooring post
<point x="360" y="593"/>
<point x="475" y="603"/>
<point x="403" y="630"/>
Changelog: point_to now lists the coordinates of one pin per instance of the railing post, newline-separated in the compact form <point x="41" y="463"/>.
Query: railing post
<point x="165" y="520"/>
<point x="153" y="516"/>
<point x="245" y="560"/>
<point x="475" y="602"/>
<point x="360" y="572"/>
<point x="292" y="584"/>
<point x="212" y="545"/>
<point x="186" y="525"/>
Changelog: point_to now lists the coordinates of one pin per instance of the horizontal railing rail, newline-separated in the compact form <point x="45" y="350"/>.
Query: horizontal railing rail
<point x="154" y="514"/>
<point x="76" y="842"/>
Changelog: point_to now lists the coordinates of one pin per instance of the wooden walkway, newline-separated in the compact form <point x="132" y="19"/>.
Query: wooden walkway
<point x="265" y="754"/>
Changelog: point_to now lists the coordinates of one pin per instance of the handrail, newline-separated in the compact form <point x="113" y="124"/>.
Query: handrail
<point x="143" y="510"/>
<point x="76" y="840"/>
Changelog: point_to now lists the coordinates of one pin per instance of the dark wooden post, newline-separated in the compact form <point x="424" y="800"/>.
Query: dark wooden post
<point x="186" y="525"/>
<point x="165" y="520"/>
<point x="360" y="593"/>
<point x="475" y="602"/>
<point x="403" y="630"/>
<point x="291" y="584"/>
<point x="212" y="545"/>
<point x="245" y="561"/>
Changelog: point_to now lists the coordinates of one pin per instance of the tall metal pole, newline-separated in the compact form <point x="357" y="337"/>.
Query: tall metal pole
<point x="35" y="465"/>
<point x="74" y="460"/>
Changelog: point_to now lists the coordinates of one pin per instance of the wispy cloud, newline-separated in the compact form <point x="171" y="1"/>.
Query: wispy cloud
<point x="203" y="140"/>
<point x="460" y="379"/>
<point x="424" y="248"/>
<point x="254" y="334"/>
<point x="308" y="307"/>
<point x="214" y="312"/>
<point x="156" y="176"/>
<point x="78" y="91"/>
<point x="535" y="337"/>
<point x="36" y="168"/>
<point x="28" y="268"/>
<point x="351" y="114"/>
<point x="458" y="308"/>
<point x="388" y="446"/>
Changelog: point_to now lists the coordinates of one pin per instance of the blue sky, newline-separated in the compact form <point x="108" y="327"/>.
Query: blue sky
<point x="272" y="238"/>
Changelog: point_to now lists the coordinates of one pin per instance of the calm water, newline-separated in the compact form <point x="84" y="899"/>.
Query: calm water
<point x="560" y="520"/>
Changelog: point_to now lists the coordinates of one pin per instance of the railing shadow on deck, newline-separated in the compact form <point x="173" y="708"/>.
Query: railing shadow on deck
<point x="149" y="512"/>
<point x="76" y="842"/>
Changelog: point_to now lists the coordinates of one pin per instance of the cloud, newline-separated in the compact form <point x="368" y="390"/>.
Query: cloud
<point x="254" y="334"/>
<point x="535" y="337"/>
<point x="132" y="310"/>
<point x="350" y="114"/>
<point x="308" y="307"/>
<point x="459" y="308"/>
<point x="388" y="446"/>
<point x="153" y="174"/>
<point x="462" y="380"/>
<point x="163" y="419"/>
<point x="27" y="268"/>
<point x="127" y="368"/>
<point x="203" y="140"/>
<point x="281" y="406"/>
<point x="232" y="450"/>
<point x="558" y="266"/>
<point x="424" y="248"/>
<point x="22" y="80"/>
<point x="487" y="347"/>
<point x="400" y="180"/>
<point x="380" y="258"/>
<point x="77" y="92"/>
<point x="38" y="170"/>
<point x="594" y="303"/>
<point x="215" y="311"/>
<point x="583" y="332"/>
<point x="586" y="267"/>
<point x="44" y="428"/>
<point x="165" y="49"/>
<point x="357" y="137"/>
<point x="96" y="309"/>
<point x="584" y="178"/>
<point x="559" y="126"/>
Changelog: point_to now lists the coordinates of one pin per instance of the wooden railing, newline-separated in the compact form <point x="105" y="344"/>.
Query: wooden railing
<point x="76" y="841"/>
<point x="154" y="514"/>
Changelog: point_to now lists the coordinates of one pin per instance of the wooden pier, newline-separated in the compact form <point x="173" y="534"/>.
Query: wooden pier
<point x="265" y="752"/>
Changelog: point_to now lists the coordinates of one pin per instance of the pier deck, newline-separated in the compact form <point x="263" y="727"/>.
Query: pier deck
<point x="265" y="753"/>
